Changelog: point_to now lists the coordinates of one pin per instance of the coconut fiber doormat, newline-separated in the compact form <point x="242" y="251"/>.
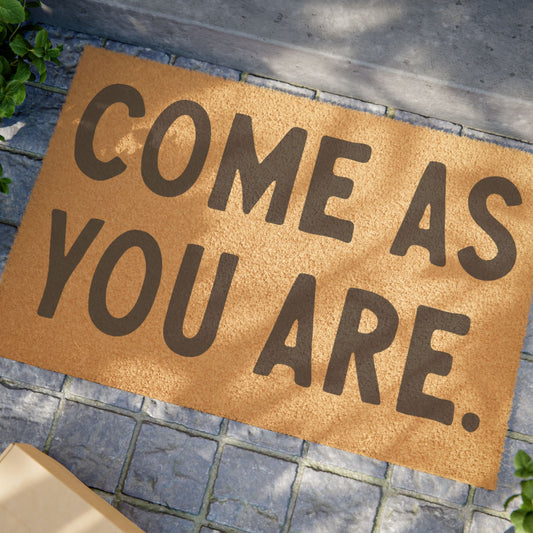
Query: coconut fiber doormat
<point x="344" y="278"/>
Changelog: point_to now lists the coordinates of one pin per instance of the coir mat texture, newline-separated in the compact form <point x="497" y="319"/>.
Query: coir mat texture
<point x="340" y="277"/>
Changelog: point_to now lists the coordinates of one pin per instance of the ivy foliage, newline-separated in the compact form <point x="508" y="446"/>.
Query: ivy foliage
<point x="522" y="518"/>
<point x="17" y="57"/>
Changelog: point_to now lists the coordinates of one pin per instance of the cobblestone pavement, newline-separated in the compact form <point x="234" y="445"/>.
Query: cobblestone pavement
<point x="171" y="469"/>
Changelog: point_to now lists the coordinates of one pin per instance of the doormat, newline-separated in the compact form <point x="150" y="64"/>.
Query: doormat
<point x="317" y="271"/>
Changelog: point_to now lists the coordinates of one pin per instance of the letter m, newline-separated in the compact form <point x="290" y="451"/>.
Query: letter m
<point x="280" y="166"/>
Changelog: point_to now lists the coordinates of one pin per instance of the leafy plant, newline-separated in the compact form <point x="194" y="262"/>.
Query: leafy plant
<point x="522" y="518"/>
<point x="17" y="57"/>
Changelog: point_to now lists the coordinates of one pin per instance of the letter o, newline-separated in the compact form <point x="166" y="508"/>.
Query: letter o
<point x="149" y="163"/>
<point x="98" y="311"/>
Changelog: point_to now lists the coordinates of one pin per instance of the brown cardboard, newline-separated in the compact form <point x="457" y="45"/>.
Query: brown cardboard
<point x="371" y="198"/>
<point x="39" y="495"/>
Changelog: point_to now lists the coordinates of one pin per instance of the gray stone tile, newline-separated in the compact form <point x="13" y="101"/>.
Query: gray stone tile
<point x="208" y="68"/>
<point x="280" y="86"/>
<point x="153" y="522"/>
<point x="138" y="51"/>
<point x="25" y="416"/>
<point x="328" y="503"/>
<point x="496" y="139"/>
<point x="350" y="461"/>
<point x="7" y="236"/>
<point x="31" y="374"/>
<point x="23" y="171"/>
<point x="108" y="395"/>
<point x="31" y="126"/>
<point x="251" y="491"/>
<point x="409" y="515"/>
<point x="265" y="438"/>
<point x="484" y="523"/>
<point x="352" y="103"/>
<point x="439" y="487"/>
<point x="419" y="120"/>
<point x="182" y="415"/>
<point x="170" y="468"/>
<point x="92" y="443"/>
<point x="208" y="529"/>
<point x="508" y="484"/>
<point x="528" y="341"/>
<point x="73" y="44"/>
<point x="108" y="498"/>
<point x="521" y="419"/>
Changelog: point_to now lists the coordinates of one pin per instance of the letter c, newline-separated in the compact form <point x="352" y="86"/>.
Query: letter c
<point x="84" y="154"/>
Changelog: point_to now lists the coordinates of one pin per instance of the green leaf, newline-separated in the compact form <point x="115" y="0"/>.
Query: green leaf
<point x="52" y="53"/>
<point x="509" y="500"/>
<point x="15" y="92"/>
<point x="39" y="52"/>
<point x="19" y="45"/>
<point x="521" y="459"/>
<point x="5" y="69"/>
<point x="3" y="33"/>
<point x="7" y="108"/>
<point x="3" y="139"/>
<point x="12" y="88"/>
<point x="4" y="185"/>
<point x="527" y="489"/>
<point x="41" y="68"/>
<point x="11" y="11"/>
<point x="41" y="39"/>
<point x="517" y="518"/>
<point x="527" y="524"/>
<point x="23" y="72"/>
<point x="524" y="472"/>
<point x="20" y="95"/>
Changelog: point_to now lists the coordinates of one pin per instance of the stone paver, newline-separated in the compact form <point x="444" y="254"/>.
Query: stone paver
<point x="153" y="522"/>
<point x="7" y="236"/>
<point x="208" y="68"/>
<point x="170" y="468"/>
<point x="484" y="523"/>
<point x="352" y="103"/>
<point x="522" y="414"/>
<point x="508" y="484"/>
<point x="528" y="341"/>
<point x="350" y="461"/>
<point x="496" y="139"/>
<point x="402" y="514"/>
<point x="265" y="438"/>
<point x="445" y="489"/>
<point x="25" y="416"/>
<point x="419" y="120"/>
<point x="280" y="86"/>
<point x="328" y="503"/>
<point x="92" y="443"/>
<point x="108" y="395"/>
<point x="138" y="51"/>
<point x="23" y="172"/>
<point x="31" y="126"/>
<point x="31" y="374"/>
<point x="252" y="491"/>
<point x="182" y="415"/>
